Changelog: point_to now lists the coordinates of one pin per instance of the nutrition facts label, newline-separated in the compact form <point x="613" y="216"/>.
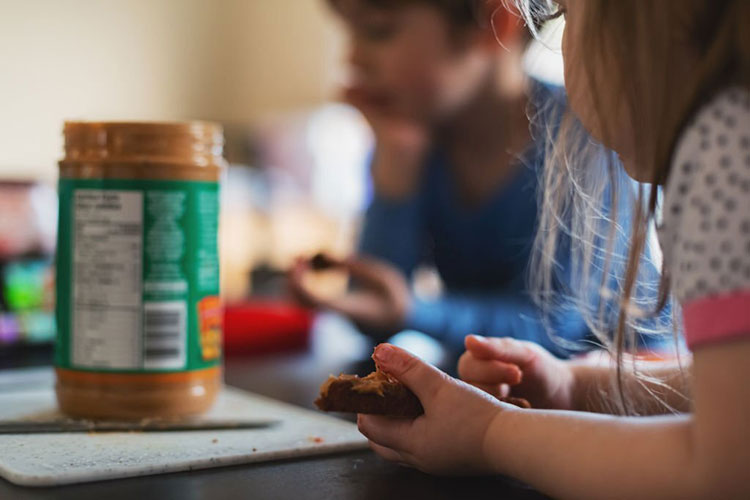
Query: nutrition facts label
<point x="138" y="276"/>
<point x="107" y="270"/>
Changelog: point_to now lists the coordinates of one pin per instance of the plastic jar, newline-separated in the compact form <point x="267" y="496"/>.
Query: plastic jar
<point x="138" y="309"/>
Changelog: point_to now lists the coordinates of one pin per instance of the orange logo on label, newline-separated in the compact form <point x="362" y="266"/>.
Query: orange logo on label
<point x="210" y="315"/>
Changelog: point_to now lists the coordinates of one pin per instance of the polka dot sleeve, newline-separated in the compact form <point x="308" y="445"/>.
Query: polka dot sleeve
<point x="705" y="233"/>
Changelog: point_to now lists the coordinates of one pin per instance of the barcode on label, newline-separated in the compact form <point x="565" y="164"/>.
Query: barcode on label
<point x="164" y="334"/>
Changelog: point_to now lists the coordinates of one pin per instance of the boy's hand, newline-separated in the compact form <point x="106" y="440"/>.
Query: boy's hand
<point x="379" y="303"/>
<point x="500" y="366"/>
<point x="401" y="144"/>
<point x="449" y="437"/>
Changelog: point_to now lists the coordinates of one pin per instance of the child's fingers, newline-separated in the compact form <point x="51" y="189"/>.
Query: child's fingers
<point x="503" y="349"/>
<point x="388" y="432"/>
<point x="422" y="378"/>
<point x="491" y="371"/>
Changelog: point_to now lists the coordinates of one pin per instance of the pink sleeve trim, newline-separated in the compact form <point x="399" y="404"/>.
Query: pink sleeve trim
<point x="717" y="318"/>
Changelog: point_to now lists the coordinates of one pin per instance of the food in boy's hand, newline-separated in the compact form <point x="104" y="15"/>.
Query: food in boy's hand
<point x="321" y="262"/>
<point x="377" y="394"/>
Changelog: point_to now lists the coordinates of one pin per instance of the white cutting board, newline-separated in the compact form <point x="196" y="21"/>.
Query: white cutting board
<point x="53" y="459"/>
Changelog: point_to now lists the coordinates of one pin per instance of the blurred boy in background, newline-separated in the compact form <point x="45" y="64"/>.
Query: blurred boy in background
<point x="455" y="174"/>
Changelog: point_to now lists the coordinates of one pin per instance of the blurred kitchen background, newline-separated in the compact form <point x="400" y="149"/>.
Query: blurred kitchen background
<point x="268" y="70"/>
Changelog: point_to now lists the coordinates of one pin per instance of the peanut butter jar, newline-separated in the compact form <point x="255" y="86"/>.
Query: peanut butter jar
<point x="138" y="308"/>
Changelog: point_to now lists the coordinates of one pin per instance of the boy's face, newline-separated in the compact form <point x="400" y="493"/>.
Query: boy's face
<point x="409" y="61"/>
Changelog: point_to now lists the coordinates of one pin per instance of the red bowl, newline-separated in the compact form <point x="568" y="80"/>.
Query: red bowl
<point x="264" y="326"/>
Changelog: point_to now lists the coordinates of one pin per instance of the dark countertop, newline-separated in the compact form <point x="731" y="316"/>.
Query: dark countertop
<point x="295" y="378"/>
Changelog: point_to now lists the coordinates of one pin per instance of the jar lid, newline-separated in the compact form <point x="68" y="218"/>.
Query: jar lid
<point x="186" y="143"/>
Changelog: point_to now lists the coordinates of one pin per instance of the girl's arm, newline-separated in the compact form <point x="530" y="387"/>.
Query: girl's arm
<point x="664" y="386"/>
<point x="579" y="455"/>
<point x="575" y="455"/>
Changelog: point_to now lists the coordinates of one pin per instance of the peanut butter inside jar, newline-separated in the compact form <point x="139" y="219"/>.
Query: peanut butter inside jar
<point x="138" y="309"/>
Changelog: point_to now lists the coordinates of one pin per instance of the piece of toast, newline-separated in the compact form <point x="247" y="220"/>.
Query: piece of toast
<point x="377" y="394"/>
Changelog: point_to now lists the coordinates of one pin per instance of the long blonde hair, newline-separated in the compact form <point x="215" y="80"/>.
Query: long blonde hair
<point x="639" y="39"/>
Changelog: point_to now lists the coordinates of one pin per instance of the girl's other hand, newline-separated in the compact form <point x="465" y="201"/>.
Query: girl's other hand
<point x="449" y="437"/>
<point x="503" y="366"/>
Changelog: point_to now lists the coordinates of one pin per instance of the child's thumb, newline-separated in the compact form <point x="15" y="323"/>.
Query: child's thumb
<point x="422" y="378"/>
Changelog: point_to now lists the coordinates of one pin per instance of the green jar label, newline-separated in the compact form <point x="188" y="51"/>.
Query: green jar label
<point x="138" y="276"/>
